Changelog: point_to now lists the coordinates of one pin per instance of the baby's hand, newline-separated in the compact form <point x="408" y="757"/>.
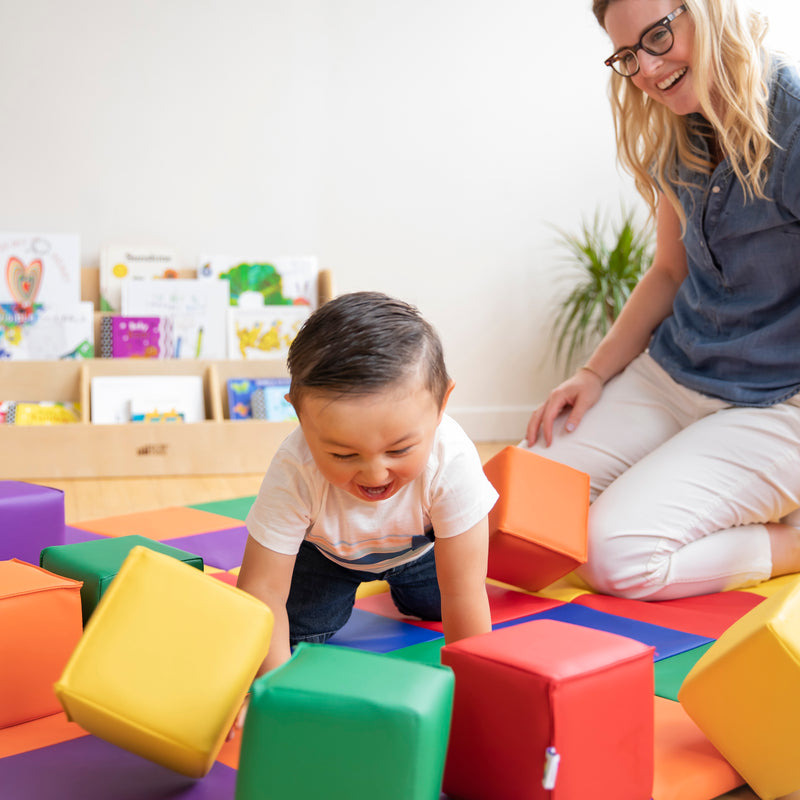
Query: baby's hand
<point x="238" y="723"/>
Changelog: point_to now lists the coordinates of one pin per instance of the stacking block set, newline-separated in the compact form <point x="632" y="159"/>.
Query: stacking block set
<point x="151" y="652"/>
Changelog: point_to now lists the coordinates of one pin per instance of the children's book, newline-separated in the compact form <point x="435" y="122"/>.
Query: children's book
<point x="137" y="337"/>
<point x="40" y="268"/>
<point x="289" y="280"/>
<point x="118" y="399"/>
<point x="266" y="332"/>
<point x="197" y="309"/>
<point x="270" y="403"/>
<point x="39" y="412"/>
<point x="120" y="265"/>
<point x="46" y="332"/>
<point x="241" y="392"/>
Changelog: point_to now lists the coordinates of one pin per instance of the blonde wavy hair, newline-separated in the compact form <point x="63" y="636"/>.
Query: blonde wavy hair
<point x="652" y="140"/>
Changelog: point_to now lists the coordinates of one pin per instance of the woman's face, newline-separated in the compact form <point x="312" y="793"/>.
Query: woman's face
<point x="668" y="78"/>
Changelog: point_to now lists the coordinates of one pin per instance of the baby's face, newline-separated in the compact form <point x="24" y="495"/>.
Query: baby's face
<point x="371" y="445"/>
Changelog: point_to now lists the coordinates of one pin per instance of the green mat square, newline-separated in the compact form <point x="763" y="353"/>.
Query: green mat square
<point x="671" y="672"/>
<point x="422" y="653"/>
<point x="238" y="508"/>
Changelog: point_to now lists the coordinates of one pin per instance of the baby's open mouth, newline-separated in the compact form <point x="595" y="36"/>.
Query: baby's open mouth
<point x="375" y="492"/>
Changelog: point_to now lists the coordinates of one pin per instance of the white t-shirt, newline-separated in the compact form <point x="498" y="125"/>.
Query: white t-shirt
<point x="295" y="503"/>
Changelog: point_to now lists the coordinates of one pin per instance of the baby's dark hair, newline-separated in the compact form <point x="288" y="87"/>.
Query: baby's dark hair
<point x="363" y="342"/>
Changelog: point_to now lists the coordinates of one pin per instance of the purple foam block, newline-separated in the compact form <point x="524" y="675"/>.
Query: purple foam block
<point x="31" y="518"/>
<point x="220" y="549"/>
<point x="90" y="769"/>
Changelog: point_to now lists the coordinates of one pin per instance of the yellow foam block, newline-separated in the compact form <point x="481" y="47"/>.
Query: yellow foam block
<point x="744" y="694"/>
<point x="165" y="662"/>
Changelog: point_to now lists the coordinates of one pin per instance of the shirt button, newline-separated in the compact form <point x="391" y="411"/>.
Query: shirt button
<point x="715" y="189"/>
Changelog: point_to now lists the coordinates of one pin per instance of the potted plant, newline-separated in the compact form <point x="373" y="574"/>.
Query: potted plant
<point x="610" y="259"/>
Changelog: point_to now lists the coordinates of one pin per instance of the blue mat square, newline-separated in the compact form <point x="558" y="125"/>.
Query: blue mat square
<point x="378" y="634"/>
<point x="667" y="641"/>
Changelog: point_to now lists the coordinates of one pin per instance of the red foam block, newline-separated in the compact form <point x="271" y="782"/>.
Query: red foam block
<point x="547" y="684"/>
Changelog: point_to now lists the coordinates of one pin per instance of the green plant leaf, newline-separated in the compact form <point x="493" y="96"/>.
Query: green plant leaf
<point x="609" y="261"/>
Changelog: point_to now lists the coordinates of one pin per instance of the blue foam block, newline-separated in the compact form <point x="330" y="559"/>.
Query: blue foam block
<point x="379" y="634"/>
<point x="666" y="641"/>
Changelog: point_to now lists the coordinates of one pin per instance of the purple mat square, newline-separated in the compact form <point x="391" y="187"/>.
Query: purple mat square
<point x="221" y="549"/>
<point x="91" y="769"/>
<point x="73" y="535"/>
<point x="33" y="518"/>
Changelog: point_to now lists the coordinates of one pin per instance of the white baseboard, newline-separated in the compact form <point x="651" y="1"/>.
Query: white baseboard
<point x="492" y="423"/>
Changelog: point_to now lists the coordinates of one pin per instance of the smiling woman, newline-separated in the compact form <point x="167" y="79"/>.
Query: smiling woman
<point x="687" y="414"/>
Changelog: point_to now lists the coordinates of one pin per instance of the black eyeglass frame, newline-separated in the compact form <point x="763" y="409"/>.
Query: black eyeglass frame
<point x="664" y="22"/>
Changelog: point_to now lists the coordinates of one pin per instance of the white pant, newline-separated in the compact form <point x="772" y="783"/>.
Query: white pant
<point x="681" y="485"/>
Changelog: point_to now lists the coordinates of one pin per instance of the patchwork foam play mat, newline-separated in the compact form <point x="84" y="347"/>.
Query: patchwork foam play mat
<point x="51" y="758"/>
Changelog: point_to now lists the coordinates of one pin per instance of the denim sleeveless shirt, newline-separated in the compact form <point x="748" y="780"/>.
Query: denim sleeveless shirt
<point x="734" y="332"/>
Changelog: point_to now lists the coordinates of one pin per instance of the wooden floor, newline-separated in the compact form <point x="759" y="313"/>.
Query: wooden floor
<point x="86" y="499"/>
<point x="93" y="498"/>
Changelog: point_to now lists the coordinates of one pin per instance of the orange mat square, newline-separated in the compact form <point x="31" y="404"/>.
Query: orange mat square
<point x="687" y="766"/>
<point x="38" y="733"/>
<point x="163" y="523"/>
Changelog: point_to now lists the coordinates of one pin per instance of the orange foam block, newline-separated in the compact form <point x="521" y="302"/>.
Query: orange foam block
<point x="40" y="625"/>
<point x="538" y="525"/>
<point x="545" y="710"/>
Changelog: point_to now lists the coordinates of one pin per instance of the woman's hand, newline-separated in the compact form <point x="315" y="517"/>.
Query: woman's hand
<point x="578" y="393"/>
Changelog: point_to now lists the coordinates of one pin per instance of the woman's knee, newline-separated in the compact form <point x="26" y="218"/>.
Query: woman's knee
<point x="624" y="565"/>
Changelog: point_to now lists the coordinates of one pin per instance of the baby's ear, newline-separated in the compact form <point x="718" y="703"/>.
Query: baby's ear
<point x="446" y="398"/>
<point x="288" y="398"/>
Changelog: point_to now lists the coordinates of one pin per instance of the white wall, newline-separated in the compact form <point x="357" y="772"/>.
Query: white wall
<point x="423" y="148"/>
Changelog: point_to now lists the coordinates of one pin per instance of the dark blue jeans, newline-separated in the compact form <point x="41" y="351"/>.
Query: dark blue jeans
<point x="323" y="593"/>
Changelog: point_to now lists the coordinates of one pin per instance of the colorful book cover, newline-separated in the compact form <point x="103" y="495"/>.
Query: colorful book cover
<point x="136" y="337"/>
<point x="46" y="332"/>
<point x="266" y="332"/>
<point x="117" y="399"/>
<point x="40" y="268"/>
<point x="39" y="413"/>
<point x="122" y="264"/>
<point x="270" y="403"/>
<point x="289" y="280"/>
<point x="197" y="309"/>
<point x="241" y="390"/>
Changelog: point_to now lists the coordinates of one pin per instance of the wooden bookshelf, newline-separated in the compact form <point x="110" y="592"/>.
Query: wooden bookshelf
<point x="215" y="446"/>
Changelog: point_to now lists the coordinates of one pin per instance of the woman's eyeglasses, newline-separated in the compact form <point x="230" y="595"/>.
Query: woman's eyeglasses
<point x="656" y="40"/>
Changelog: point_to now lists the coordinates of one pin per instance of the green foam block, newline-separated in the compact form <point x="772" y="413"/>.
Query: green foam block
<point x="336" y="722"/>
<point x="98" y="561"/>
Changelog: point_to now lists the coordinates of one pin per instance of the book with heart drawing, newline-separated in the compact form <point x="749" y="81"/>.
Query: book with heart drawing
<point x="40" y="268"/>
